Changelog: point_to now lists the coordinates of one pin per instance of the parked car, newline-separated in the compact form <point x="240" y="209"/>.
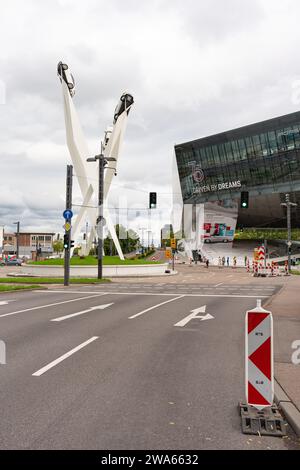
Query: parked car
<point x="11" y="262"/>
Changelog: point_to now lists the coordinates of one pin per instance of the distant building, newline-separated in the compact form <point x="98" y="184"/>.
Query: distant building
<point x="165" y="234"/>
<point x="30" y="243"/>
<point x="9" y="243"/>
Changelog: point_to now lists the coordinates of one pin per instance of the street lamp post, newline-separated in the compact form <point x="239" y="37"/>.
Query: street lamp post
<point x="100" y="219"/>
<point x="2" y="240"/>
<point x="288" y="204"/>
<point x="148" y="243"/>
<point x="142" y="230"/>
<point x="18" y="233"/>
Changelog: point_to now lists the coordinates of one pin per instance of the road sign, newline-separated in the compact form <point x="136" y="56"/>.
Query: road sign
<point x="67" y="214"/>
<point x="168" y="253"/>
<point x="194" y="314"/>
<point x="67" y="226"/>
<point x="261" y="253"/>
<point x="173" y="243"/>
<point x="259" y="373"/>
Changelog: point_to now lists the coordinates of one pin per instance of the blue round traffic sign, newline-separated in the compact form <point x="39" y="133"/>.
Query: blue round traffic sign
<point x="68" y="214"/>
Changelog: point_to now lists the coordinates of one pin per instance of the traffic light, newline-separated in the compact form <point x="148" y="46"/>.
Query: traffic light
<point x="244" y="199"/>
<point x="72" y="244"/>
<point x="152" y="200"/>
<point x="66" y="241"/>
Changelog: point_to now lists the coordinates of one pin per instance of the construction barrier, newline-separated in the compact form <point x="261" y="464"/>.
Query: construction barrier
<point x="259" y="366"/>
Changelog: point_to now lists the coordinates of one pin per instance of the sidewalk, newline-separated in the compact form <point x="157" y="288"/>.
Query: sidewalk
<point x="285" y="307"/>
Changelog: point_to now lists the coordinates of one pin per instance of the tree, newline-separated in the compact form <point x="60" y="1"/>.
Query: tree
<point x="129" y="241"/>
<point x="58" y="246"/>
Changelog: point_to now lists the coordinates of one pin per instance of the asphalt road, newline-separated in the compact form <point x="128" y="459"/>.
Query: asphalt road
<point x="123" y="376"/>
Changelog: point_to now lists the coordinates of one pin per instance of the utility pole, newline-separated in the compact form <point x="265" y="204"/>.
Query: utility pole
<point x="67" y="237"/>
<point x="86" y="236"/>
<point x="102" y="163"/>
<point x="142" y="230"/>
<point x="100" y="219"/>
<point x="266" y="251"/>
<point x="288" y="204"/>
<point x="18" y="239"/>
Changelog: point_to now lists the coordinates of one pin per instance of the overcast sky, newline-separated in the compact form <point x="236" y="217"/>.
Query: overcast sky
<point x="194" y="67"/>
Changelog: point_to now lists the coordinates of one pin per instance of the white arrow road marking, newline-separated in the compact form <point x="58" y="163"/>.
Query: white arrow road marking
<point x="5" y="302"/>
<point x="97" y="307"/>
<point x="52" y="305"/>
<point x="65" y="356"/>
<point x="194" y="314"/>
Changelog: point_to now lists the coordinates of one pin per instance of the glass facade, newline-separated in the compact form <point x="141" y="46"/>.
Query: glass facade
<point x="262" y="158"/>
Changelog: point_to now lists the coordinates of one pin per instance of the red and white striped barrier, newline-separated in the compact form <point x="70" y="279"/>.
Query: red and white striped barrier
<point x="255" y="270"/>
<point x="261" y="253"/>
<point x="259" y="361"/>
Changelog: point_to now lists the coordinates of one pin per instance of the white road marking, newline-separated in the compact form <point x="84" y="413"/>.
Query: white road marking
<point x="186" y="294"/>
<point x="52" y="305"/>
<point x="5" y="302"/>
<point x="155" y="306"/>
<point x="63" y="357"/>
<point x="97" y="307"/>
<point x="194" y="314"/>
<point x="221" y="283"/>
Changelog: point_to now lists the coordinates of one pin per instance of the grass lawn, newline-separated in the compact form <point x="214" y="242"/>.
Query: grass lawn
<point x="6" y="288"/>
<point x="48" y="280"/>
<point x="91" y="260"/>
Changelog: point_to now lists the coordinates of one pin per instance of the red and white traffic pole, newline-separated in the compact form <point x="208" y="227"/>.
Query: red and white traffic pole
<point x="259" y="361"/>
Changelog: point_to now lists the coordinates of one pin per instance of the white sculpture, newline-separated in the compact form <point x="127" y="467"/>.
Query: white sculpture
<point x="79" y="152"/>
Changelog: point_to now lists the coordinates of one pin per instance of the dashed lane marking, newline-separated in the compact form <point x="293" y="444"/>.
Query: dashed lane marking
<point x="63" y="357"/>
<point x="155" y="306"/>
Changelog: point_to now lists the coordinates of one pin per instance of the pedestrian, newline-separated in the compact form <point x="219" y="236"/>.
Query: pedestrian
<point x="228" y="261"/>
<point x="220" y="262"/>
<point x="246" y="260"/>
<point x="223" y="261"/>
<point x="207" y="263"/>
<point x="234" y="261"/>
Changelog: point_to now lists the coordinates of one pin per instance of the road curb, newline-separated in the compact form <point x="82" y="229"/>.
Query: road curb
<point x="274" y="296"/>
<point x="289" y="409"/>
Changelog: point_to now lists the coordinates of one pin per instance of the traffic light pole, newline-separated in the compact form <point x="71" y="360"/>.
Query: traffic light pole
<point x="289" y="229"/>
<point x="102" y="162"/>
<point x="288" y="204"/>
<point x="69" y="187"/>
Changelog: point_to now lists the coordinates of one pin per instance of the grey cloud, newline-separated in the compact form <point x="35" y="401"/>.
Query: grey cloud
<point x="194" y="68"/>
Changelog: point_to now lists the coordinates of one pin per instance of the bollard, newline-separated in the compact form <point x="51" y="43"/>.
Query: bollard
<point x="259" y="373"/>
<point x="259" y="415"/>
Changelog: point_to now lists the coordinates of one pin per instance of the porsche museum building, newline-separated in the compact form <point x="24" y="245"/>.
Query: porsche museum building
<point x="262" y="159"/>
